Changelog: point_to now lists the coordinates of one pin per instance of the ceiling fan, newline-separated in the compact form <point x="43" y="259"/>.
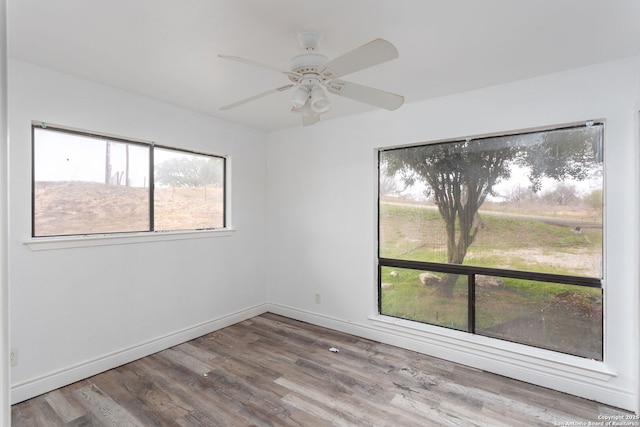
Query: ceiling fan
<point x="311" y="73"/>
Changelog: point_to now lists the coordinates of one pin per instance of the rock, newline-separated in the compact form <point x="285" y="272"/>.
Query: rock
<point x="489" y="281"/>
<point x="393" y="274"/>
<point x="387" y="286"/>
<point x="429" y="279"/>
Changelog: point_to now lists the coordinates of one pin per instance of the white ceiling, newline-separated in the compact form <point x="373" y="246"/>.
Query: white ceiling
<point x="167" y="49"/>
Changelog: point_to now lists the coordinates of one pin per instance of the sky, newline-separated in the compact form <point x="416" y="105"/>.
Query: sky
<point x="64" y="157"/>
<point x="519" y="179"/>
<point x="61" y="156"/>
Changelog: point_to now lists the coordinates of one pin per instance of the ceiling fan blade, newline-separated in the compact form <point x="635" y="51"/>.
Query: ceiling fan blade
<point x="254" y="97"/>
<point x="373" y="53"/>
<point x="259" y="64"/>
<point x="366" y="94"/>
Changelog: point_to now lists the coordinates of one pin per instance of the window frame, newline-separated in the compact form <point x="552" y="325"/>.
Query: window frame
<point x="58" y="241"/>
<point x="470" y="270"/>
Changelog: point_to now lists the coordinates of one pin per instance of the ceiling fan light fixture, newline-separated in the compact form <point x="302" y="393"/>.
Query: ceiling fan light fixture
<point x="300" y="97"/>
<point x="305" y="110"/>
<point x="319" y="101"/>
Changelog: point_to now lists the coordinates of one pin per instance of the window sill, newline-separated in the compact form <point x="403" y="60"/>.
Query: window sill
<point x="55" y="243"/>
<point x="517" y="355"/>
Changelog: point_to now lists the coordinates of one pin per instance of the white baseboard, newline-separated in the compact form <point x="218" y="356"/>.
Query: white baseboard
<point x="573" y="375"/>
<point x="587" y="379"/>
<point x="37" y="386"/>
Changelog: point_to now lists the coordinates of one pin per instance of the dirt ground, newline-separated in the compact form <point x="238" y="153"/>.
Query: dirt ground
<point x="586" y="261"/>
<point x="83" y="208"/>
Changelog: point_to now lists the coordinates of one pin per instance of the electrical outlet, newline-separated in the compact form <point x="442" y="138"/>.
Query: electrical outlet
<point x="13" y="357"/>
<point x="317" y="298"/>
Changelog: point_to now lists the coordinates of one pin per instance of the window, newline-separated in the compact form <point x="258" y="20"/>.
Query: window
<point x="88" y="184"/>
<point x="497" y="236"/>
<point x="189" y="190"/>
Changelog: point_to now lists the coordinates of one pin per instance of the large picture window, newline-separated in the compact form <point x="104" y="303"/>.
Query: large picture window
<point x="499" y="236"/>
<point x="86" y="184"/>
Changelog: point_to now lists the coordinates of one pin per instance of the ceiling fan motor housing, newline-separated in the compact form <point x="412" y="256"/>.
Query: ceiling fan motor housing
<point x="308" y="63"/>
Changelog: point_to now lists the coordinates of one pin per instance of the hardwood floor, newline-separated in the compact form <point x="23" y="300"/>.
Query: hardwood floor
<point x="274" y="371"/>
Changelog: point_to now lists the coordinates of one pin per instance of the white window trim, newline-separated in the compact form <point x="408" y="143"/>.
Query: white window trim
<point x="83" y="241"/>
<point x="453" y="345"/>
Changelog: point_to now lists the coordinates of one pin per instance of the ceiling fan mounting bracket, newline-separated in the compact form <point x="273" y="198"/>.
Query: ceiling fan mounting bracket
<point x="310" y="40"/>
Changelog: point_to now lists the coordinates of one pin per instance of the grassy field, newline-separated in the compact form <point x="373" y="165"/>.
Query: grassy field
<point x="513" y="242"/>
<point x="565" y="318"/>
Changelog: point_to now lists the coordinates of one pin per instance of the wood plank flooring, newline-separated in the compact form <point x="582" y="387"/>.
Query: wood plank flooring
<point x="274" y="371"/>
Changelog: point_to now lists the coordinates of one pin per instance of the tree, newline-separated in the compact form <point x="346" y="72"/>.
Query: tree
<point x="563" y="154"/>
<point x="188" y="171"/>
<point x="459" y="176"/>
<point x="594" y="200"/>
<point x="520" y="194"/>
<point x="388" y="185"/>
<point x="462" y="174"/>
<point x="563" y="194"/>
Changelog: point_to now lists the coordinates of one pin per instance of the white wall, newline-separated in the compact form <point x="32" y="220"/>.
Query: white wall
<point x="322" y="221"/>
<point x="4" y="277"/>
<point x="637" y="127"/>
<point x="78" y="311"/>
